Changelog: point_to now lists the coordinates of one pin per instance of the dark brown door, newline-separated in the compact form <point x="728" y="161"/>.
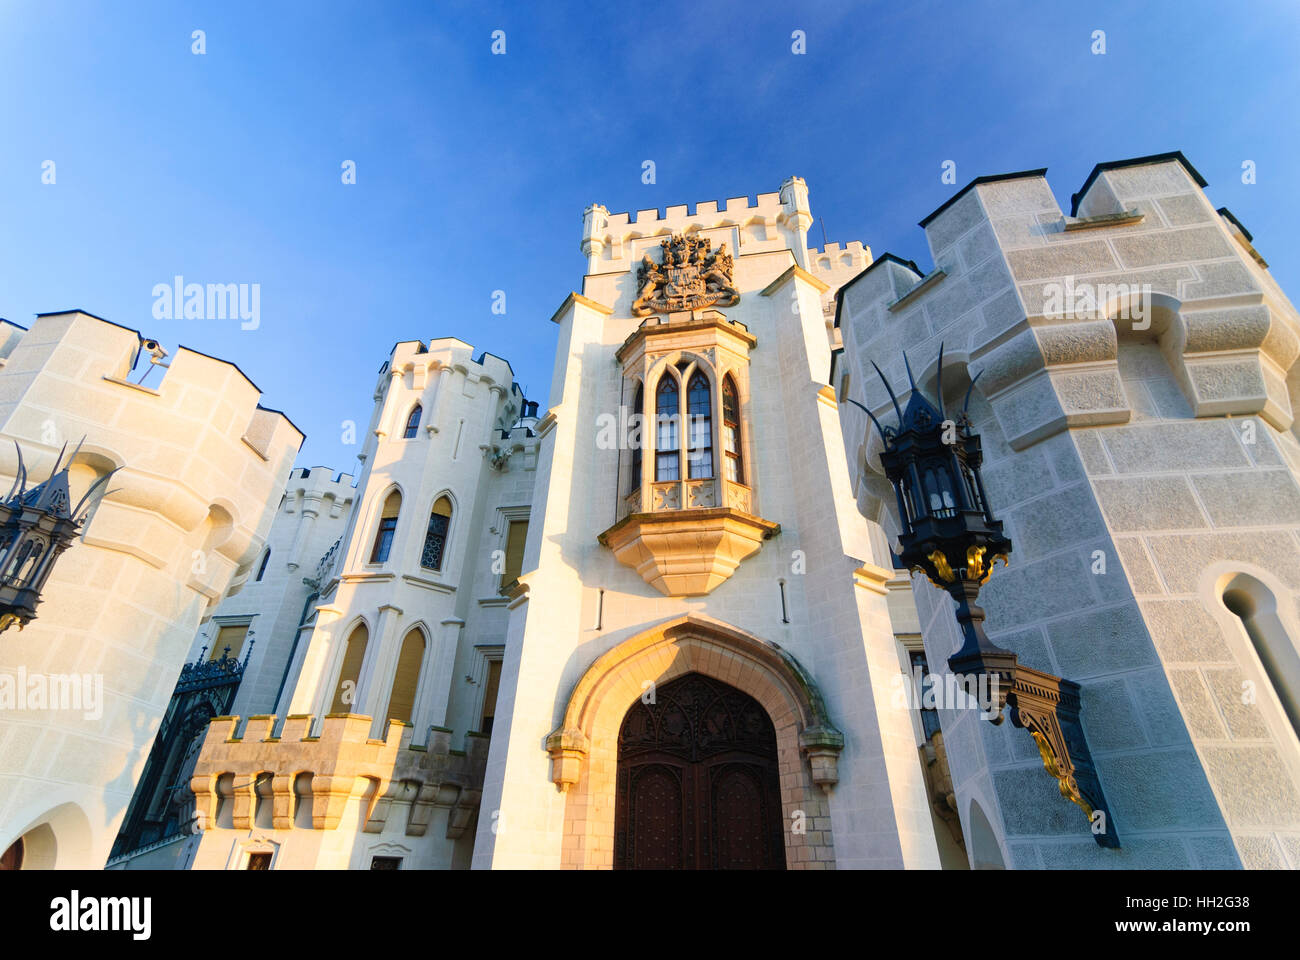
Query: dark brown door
<point x="697" y="785"/>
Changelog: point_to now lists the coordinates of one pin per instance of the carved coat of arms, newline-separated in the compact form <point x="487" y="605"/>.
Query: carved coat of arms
<point x="690" y="276"/>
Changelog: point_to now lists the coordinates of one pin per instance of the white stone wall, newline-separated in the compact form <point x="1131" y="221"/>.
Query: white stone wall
<point x="310" y="517"/>
<point x="1163" y="447"/>
<point x="201" y="465"/>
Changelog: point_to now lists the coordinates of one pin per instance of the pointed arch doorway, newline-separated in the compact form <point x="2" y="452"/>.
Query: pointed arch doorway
<point x="697" y="786"/>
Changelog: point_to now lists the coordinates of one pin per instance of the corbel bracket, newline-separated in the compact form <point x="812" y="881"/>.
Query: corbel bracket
<point x="1048" y="707"/>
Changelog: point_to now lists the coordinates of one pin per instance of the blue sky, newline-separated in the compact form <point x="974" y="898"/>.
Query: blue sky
<point x="473" y="169"/>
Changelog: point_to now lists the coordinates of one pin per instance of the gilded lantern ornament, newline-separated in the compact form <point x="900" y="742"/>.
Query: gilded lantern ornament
<point x="948" y="532"/>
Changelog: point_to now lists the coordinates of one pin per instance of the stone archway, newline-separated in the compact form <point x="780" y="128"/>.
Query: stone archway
<point x="584" y="750"/>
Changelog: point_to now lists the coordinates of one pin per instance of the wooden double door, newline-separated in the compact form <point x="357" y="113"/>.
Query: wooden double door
<point x="697" y="785"/>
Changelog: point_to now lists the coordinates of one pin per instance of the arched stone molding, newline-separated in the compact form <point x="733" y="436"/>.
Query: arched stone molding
<point x="59" y="838"/>
<point x="584" y="750"/>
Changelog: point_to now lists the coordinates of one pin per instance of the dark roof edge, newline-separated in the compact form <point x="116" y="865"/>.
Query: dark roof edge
<point x="287" y="420"/>
<point x="1227" y="215"/>
<point x="229" y="363"/>
<point x="994" y="178"/>
<point x="839" y="294"/>
<point x="1101" y="168"/>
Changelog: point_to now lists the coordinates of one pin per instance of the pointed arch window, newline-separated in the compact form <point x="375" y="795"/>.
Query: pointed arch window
<point x="637" y="427"/>
<point x="1256" y="607"/>
<point x="345" y="691"/>
<point x="731" y="431"/>
<point x="387" y="528"/>
<point x="668" y="455"/>
<point x="412" y="423"/>
<point x="699" y="408"/>
<point x="261" y="571"/>
<point x="435" y="537"/>
<point x="401" y="698"/>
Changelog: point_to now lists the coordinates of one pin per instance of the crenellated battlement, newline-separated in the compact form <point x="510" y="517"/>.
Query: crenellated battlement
<point x="319" y="485"/>
<point x="309" y="780"/>
<point x="197" y="457"/>
<point x="613" y="242"/>
<point x="1021" y="288"/>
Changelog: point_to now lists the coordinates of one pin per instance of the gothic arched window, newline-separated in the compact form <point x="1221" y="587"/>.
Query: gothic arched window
<point x="345" y="691"/>
<point x="731" y="431"/>
<point x="412" y="423"/>
<point x="435" y="537"/>
<point x="401" y="698"/>
<point x="638" y="437"/>
<point x="699" y="407"/>
<point x="261" y="571"/>
<point x="387" y="528"/>
<point x="668" y="455"/>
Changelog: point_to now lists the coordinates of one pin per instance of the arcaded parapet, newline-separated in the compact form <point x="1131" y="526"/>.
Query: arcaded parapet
<point x="260" y="792"/>
<point x="1135" y="402"/>
<point x="199" y="466"/>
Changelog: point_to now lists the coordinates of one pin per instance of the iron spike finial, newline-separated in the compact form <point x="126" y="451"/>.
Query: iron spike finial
<point x="966" y="405"/>
<point x="897" y="410"/>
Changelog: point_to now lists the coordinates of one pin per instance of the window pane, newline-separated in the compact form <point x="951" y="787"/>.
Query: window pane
<point x="667" y="467"/>
<point x="701" y="466"/>
<point x="435" y="540"/>
<point x="515" y="538"/>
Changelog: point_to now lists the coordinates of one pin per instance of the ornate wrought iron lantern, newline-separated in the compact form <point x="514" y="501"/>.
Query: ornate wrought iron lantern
<point x="948" y="532"/>
<point x="36" y="526"/>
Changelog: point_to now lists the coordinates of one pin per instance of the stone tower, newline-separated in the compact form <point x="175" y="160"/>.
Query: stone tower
<point x="1136" y="397"/>
<point x="199" y="467"/>
<point x="695" y="548"/>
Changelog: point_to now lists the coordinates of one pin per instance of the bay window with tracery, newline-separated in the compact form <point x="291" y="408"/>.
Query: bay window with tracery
<point x="686" y="472"/>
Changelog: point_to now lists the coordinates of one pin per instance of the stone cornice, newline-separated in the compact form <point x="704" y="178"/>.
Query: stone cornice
<point x="708" y="319"/>
<point x="573" y="298"/>
<point x="794" y="271"/>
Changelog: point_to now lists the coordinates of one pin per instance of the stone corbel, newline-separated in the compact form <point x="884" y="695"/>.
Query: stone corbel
<point x="282" y="801"/>
<point x="1048" y="707"/>
<point x="462" y="812"/>
<point x="421" y="812"/>
<point x="244" y="798"/>
<point x="568" y="750"/>
<point x="1234" y="361"/>
<point x="329" y="796"/>
<point x="822" y="746"/>
<point x="397" y="790"/>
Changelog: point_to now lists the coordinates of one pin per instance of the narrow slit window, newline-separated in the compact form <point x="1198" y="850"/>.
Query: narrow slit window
<point x="412" y="423"/>
<point x="435" y="536"/>
<point x="387" y="528"/>
<point x="668" y="464"/>
<point x="699" y="407"/>
<point x="731" y="431"/>
<point x="636" y="426"/>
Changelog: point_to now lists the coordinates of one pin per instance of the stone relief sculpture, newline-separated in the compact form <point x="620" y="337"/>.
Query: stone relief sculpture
<point x="689" y="276"/>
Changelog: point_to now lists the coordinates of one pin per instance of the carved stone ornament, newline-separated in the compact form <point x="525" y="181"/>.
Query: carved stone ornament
<point x="689" y="276"/>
